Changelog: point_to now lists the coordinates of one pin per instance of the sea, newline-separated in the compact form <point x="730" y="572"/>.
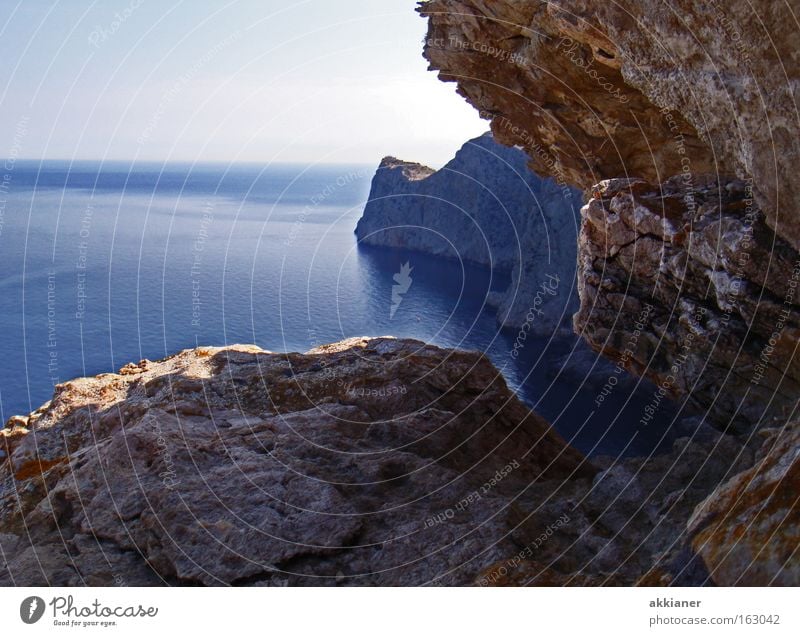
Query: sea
<point x="113" y="262"/>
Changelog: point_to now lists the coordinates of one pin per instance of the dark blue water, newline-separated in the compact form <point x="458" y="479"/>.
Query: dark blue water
<point x="112" y="264"/>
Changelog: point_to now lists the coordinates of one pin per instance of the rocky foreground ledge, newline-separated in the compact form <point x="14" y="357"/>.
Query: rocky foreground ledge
<point x="371" y="461"/>
<point x="239" y="466"/>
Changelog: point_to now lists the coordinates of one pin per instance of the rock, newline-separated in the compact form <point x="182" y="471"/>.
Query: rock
<point x="132" y="369"/>
<point x="485" y="207"/>
<point x="748" y="530"/>
<point x="663" y="120"/>
<point x="687" y="291"/>
<point x="17" y="421"/>
<point x="371" y="461"/>
<point x="679" y="121"/>
<point x="637" y="87"/>
<point x="627" y="526"/>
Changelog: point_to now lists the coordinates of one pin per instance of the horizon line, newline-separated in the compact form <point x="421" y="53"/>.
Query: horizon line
<point x="16" y="160"/>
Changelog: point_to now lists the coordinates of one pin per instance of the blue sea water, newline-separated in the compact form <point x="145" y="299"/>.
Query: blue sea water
<point x="112" y="263"/>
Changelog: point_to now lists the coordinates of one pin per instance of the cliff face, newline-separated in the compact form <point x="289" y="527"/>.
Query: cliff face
<point x="679" y="120"/>
<point x="485" y="207"/>
<point x="634" y="88"/>
<point x="381" y="461"/>
<point x="367" y="462"/>
<point x="710" y="290"/>
<point x="682" y="99"/>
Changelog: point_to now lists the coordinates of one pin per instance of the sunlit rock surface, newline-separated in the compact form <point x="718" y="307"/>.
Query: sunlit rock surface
<point x="372" y="461"/>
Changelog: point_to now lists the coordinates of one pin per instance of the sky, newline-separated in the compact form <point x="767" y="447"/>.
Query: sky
<point x="311" y="81"/>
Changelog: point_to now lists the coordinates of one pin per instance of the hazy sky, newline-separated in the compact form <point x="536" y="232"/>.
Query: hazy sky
<point x="247" y="80"/>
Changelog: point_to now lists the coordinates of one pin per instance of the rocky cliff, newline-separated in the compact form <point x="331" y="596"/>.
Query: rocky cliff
<point x="634" y="88"/>
<point x="720" y="286"/>
<point x="680" y="123"/>
<point x="690" y="135"/>
<point x="484" y="207"/>
<point x="366" y="462"/>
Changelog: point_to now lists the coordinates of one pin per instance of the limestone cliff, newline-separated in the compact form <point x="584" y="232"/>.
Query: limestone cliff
<point x="484" y="207"/>
<point x="705" y="233"/>
<point x="641" y="88"/>
<point x="382" y="461"/>
<point x="680" y="122"/>
<point x="720" y="287"/>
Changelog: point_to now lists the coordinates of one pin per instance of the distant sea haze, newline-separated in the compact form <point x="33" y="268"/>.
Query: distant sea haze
<point x="107" y="265"/>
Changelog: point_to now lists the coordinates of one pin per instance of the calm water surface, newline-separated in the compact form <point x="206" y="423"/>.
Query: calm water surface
<point x="103" y="265"/>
